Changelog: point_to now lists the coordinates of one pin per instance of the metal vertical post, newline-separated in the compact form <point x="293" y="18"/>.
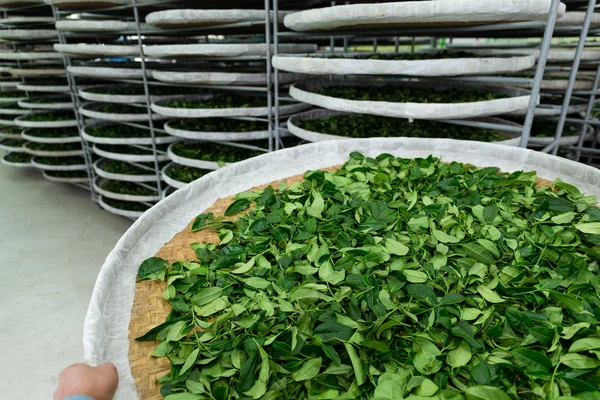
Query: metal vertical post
<point x="539" y="72"/>
<point x="396" y="44"/>
<point x="276" y="71"/>
<point x="269" y="73"/>
<point x="591" y="102"/>
<point x="573" y="74"/>
<point x="87" y="151"/>
<point x="147" y="92"/>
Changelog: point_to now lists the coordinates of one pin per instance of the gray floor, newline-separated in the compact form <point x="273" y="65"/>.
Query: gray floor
<point x="53" y="241"/>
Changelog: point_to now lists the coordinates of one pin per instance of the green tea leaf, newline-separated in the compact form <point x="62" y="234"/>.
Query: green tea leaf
<point x="486" y="393"/>
<point x="357" y="365"/>
<point x="395" y="247"/>
<point x="532" y="360"/>
<point x="592" y="228"/>
<point x="151" y="266"/>
<point x="237" y="207"/>
<point x="422" y="292"/>
<point x="309" y="370"/>
<point x="585" y="345"/>
<point x="489" y="295"/>
<point x="189" y="362"/>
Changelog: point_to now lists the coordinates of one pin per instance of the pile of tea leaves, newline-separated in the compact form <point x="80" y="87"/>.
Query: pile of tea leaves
<point x="389" y="279"/>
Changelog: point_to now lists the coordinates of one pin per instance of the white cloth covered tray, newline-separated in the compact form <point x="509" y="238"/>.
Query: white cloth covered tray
<point x="108" y="72"/>
<point x="69" y="153"/>
<point x="151" y="177"/>
<point x="190" y="162"/>
<point x="293" y="125"/>
<point x="221" y="50"/>
<point x="88" y="94"/>
<point x="26" y="72"/>
<point x="16" y="165"/>
<point x="46" y="167"/>
<point x="107" y="320"/>
<point x="125" y="140"/>
<point x="192" y="18"/>
<point x="23" y="20"/>
<point x="128" y="157"/>
<point x="64" y="180"/>
<point x="170" y="181"/>
<point x="89" y="4"/>
<point x="322" y="64"/>
<point x="28" y="56"/>
<point x="159" y="108"/>
<point x="27" y="87"/>
<point x="20" y="121"/>
<point x="518" y="100"/>
<point x="103" y="25"/>
<point x="28" y="34"/>
<point x="217" y="136"/>
<point x="576" y="18"/>
<point x="12" y="149"/>
<point x="539" y="142"/>
<point x="59" y="105"/>
<point x="118" y="211"/>
<point x="99" y="182"/>
<point x="222" y="78"/>
<point x="55" y="140"/>
<point x="89" y="110"/>
<point x="104" y="50"/>
<point x="419" y="13"/>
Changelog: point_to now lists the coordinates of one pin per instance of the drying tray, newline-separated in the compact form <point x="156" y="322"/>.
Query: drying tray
<point x="322" y="64"/>
<point x="4" y="135"/>
<point x="26" y="20"/>
<point x="108" y="72"/>
<point x="554" y="56"/>
<point x="419" y="14"/>
<point x="90" y="4"/>
<point x="221" y="50"/>
<point x="19" y="3"/>
<point x="11" y="99"/>
<point x="118" y="211"/>
<point x="28" y="87"/>
<point x="97" y="50"/>
<point x="218" y="136"/>
<point x="158" y="108"/>
<point x="46" y="167"/>
<point x="59" y="105"/>
<point x="10" y="149"/>
<point x="107" y="337"/>
<point x="87" y="94"/>
<point x="12" y="84"/>
<point x="547" y="110"/>
<point x="170" y="181"/>
<point x="99" y="182"/>
<point x="519" y="100"/>
<point x="223" y="78"/>
<point x="125" y="140"/>
<point x="190" y="162"/>
<point x="28" y="56"/>
<point x="89" y="110"/>
<point x="13" y="111"/>
<point x="103" y="25"/>
<point x="20" y="121"/>
<point x="28" y="34"/>
<point x="50" y="140"/>
<point x="64" y="180"/>
<point x="293" y="125"/>
<point x="69" y="153"/>
<point x="189" y="18"/>
<point x="538" y="142"/>
<point x="151" y="177"/>
<point x="13" y="164"/>
<point x="128" y="157"/>
<point x="576" y="18"/>
<point x="36" y="72"/>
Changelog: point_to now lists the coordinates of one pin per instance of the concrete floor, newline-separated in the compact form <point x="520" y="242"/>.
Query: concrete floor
<point x="53" y="241"/>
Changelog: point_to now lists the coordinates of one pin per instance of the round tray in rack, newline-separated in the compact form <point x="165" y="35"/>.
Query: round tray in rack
<point x="186" y="18"/>
<point x="103" y="25"/>
<point x="19" y="3"/>
<point x="418" y="14"/>
<point x="190" y="162"/>
<point x="62" y="102"/>
<point x="25" y="20"/>
<point x="159" y="107"/>
<point x="356" y="64"/>
<point x="27" y="56"/>
<point x="65" y="179"/>
<point x="128" y="157"/>
<point x="221" y="50"/>
<point x="15" y="134"/>
<point x="36" y="72"/>
<point x="106" y="337"/>
<point x="518" y="100"/>
<point x="9" y="84"/>
<point x="99" y="182"/>
<point x="9" y="120"/>
<point x="108" y="72"/>
<point x="98" y="50"/>
<point x="90" y="110"/>
<point x="28" y="34"/>
<point x="150" y="177"/>
<point x="294" y="126"/>
<point x="110" y="205"/>
<point x="548" y="110"/>
<point x="41" y="153"/>
<point x="37" y="163"/>
<point x="173" y="182"/>
<point x="147" y="140"/>
<point x="12" y="111"/>
<point x="21" y="121"/>
<point x="222" y="78"/>
<point x="28" y="87"/>
<point x="5" y="160"/>
<point x="90" y="4"/>
<point x="188" y="133"/>
<point x="538" y="142"/>
<point x="10" y="99"/>
<point x="26" y="134"/>
<point x="13" y="149"/>
<point x="576" y="18"/>
<point x="554" y="56"/>
<point x="89" y="94"/>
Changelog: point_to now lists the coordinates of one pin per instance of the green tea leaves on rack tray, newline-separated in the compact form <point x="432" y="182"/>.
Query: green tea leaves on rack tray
<point x="389" y="279"/>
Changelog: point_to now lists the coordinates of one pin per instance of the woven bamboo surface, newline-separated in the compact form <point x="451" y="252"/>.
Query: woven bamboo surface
<point x="149" y="309"/>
